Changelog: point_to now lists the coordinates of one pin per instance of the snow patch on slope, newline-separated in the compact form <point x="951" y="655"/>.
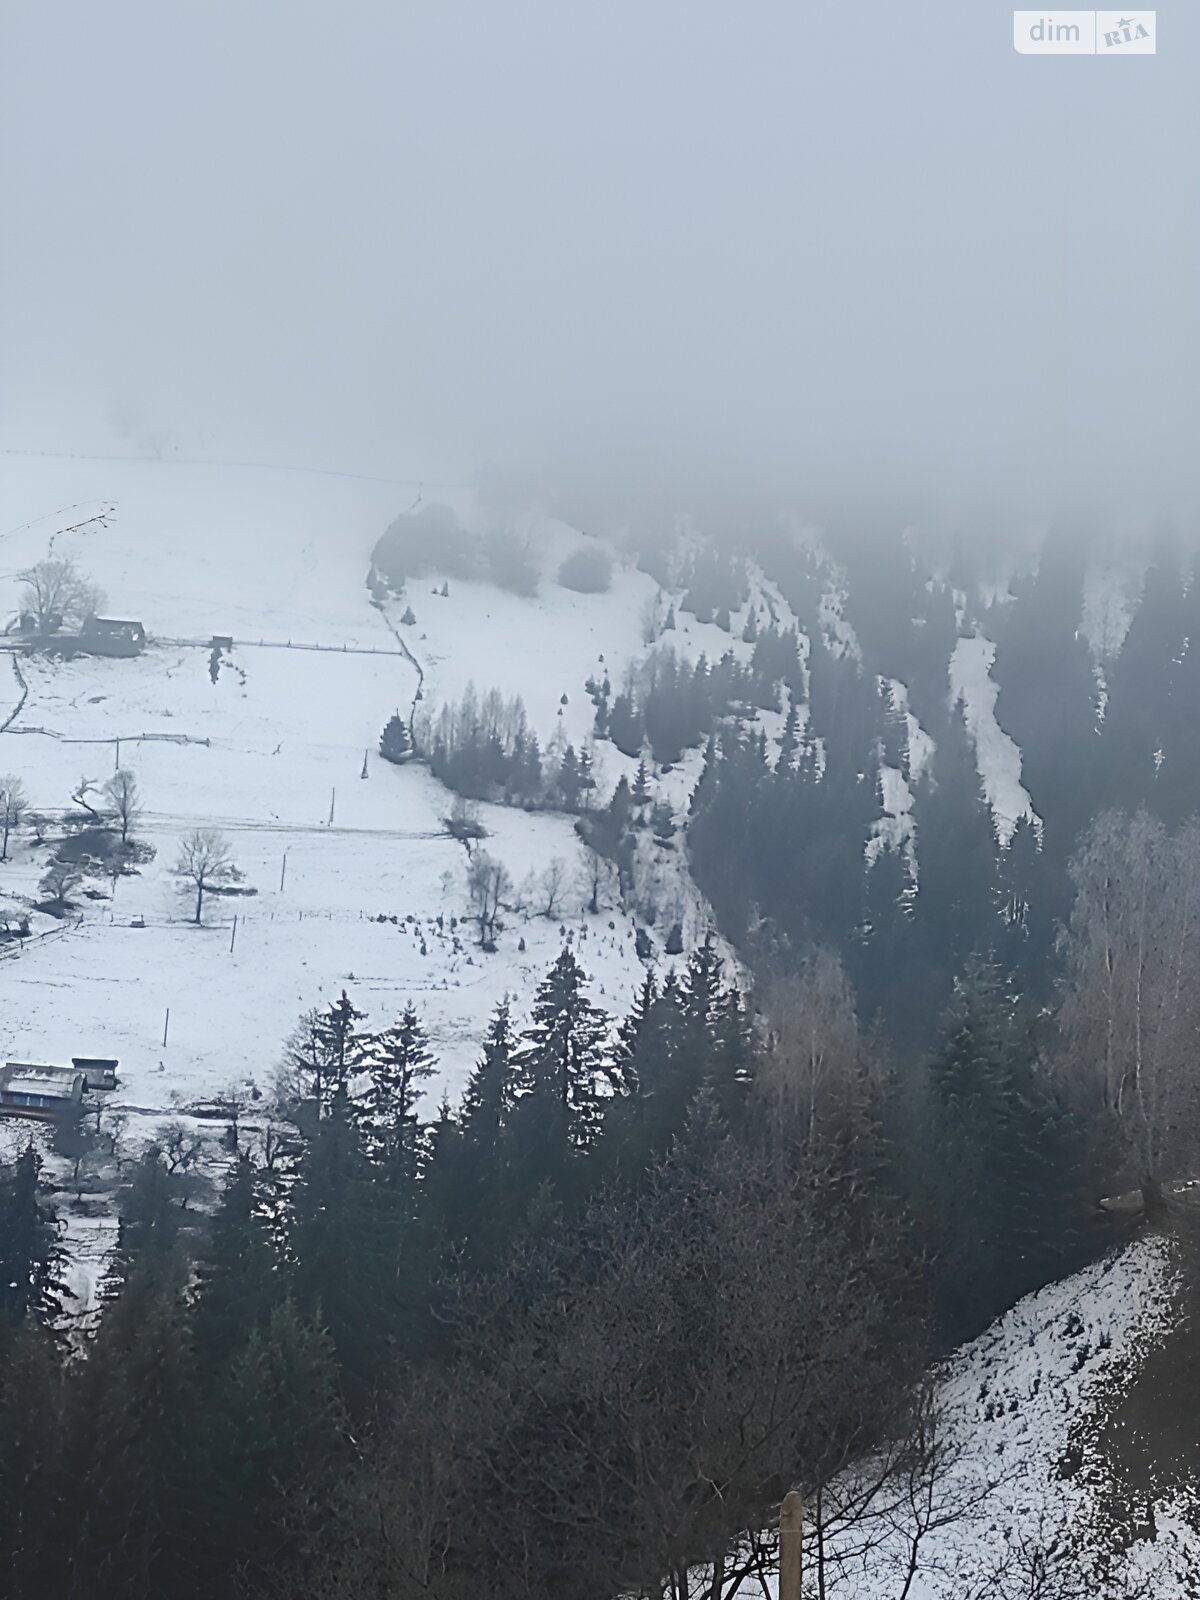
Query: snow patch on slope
<point x="997" y="756"/>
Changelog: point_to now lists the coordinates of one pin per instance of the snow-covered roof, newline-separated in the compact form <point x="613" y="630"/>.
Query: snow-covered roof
<point x="23" y="1077"/>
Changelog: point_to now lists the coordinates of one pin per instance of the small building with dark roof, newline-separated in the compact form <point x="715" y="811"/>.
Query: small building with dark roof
<point x="111" y="636"/>
<point x="29" y="1089"/>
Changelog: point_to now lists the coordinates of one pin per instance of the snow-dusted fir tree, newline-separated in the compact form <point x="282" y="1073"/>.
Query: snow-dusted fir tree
<point x="324" y="1052"/>
<point x="395" y="743"/>
<point x="562" y="1054"/>
<point x="398" y="1062"/>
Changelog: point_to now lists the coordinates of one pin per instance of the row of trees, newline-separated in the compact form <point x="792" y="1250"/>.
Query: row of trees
<point x="116" y="805"/>
<point x="99" y="839"/>
<point x="434" y="540"/>
<point x="672" y="705"/>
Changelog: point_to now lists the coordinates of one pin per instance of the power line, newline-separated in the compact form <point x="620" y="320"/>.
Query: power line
<point x="259" y="466"/>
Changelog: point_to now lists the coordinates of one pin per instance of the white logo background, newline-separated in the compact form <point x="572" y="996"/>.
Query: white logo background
<point x="1085" y="33"/>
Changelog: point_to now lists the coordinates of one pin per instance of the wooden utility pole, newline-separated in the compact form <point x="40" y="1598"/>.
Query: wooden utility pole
<point x="332" y="803"/>
<point x="117" y="762"/>
<point x="283" y="872"/>
<point x="166" y="1024"/>
<point x="791" y="1545"/>
<point x="233" y="935"/>
<point x="363" y="773"/>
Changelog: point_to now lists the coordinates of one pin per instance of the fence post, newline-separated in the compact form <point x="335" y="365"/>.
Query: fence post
<point x="791" y="1545"/>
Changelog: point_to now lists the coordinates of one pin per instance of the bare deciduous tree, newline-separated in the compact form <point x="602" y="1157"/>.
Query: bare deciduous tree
<point x="464" y="822"/>
<point x="56" y="594"/>
<point x="1132" y="1011"/>
<point x="79" y="794"/>
<point x="12" y="808"/>
<point x="488" y="883"/>
<point x="205" y="863"/>
<point x="59" y="882"/>
<point x="121" y="792"/>
<point x="551" y="886"/>
<point x="595" y="875"/>
<point x="819" y="1077"/>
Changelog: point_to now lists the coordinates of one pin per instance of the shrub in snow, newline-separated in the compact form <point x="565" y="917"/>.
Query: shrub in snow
<point x="510" y="564"/>
<point x="587" y="570"/>
<point x="431" y="539"/>
<point x="395" y="743"/>
<point x="463" y="824"/>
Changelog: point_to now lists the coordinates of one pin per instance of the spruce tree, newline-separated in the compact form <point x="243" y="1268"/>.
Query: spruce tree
<point x="648" y="1065"/>
<point x="344" y="1239"/>
<point x="135" y="1429"/>
<point x="882" y="956"/>
<point x="1178" y="784"/>
<point x="395" y="743"/>
<point x="1047" y="702"/>
<point x="344" y="1046"/>
<point x="239" y="1277"/>
<point x="492" y="1087"/>
<point x="999" y="1184"/>
<point x="323" y="1053"/>
<point x="398" y="1062"/>
<point x="1136" y="731"/>
<point x="32" y="1464"/>
<point x="956" y="912"/>
<point x="640" y="794"/>
<point x="149" y="1227"/>
<point x="32" y="1256"/>
<point x="561" y="1057"/>
<point x="273" y="1436"/>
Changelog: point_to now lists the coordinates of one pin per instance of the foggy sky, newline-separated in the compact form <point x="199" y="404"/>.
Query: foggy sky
<point x="840" y="252"/>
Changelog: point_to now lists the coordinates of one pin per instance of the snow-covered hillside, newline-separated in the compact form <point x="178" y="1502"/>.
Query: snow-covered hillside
<point x="1028" y="1499"/>
<point x="269" y="752"/>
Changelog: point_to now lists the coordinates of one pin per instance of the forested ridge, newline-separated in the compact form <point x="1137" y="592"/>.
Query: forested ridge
<point x="576" y="1334"/>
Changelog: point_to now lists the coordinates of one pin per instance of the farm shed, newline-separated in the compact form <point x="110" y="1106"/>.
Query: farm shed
<point x="99" y="1072"/>
<point x="112" y="636"/>
<point x="28" y="1089"/>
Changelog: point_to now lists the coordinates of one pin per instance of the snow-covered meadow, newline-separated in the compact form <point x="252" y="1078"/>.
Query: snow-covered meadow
<point x="269" y="752"/>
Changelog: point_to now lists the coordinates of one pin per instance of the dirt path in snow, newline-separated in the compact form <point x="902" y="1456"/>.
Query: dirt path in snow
<point x="414" y="663"/>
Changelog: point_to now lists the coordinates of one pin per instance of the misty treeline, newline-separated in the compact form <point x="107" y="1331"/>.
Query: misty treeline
<point x="433" y="540"/>
<point x="577" y="1335"/>
<point x="788" y="838"/>
<point x="483" y="747"/>
<point x="789" y="834"/>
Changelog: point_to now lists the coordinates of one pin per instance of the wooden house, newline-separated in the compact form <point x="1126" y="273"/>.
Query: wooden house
<point x="29" y="1089"/>
<point x="111" y="636"/>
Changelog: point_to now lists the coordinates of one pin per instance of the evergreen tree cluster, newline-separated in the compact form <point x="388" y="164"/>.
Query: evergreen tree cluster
<point x="395" y="742"/>
<point x="714" y="586"/>
<point x="674" y="705"/>
<point x="483" y="749"/>
<point x="433" y="540"/>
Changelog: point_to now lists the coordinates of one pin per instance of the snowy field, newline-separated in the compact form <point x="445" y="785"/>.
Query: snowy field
<point x="267" y="753"/>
